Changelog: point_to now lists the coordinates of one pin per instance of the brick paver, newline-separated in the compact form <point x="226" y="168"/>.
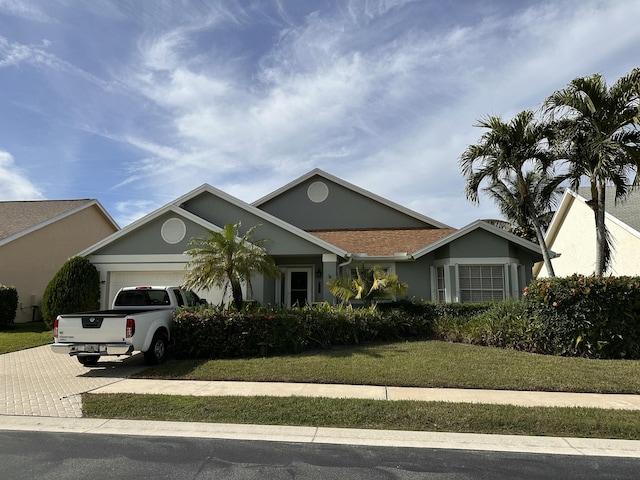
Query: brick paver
<point x="39" y="382"/>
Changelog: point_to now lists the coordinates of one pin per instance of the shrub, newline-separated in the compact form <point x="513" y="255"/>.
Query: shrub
<point x="215" y="333"/>
<point x="594" y="316"/>
<point x="507" y="324"/>
<point x="8" y="305"/>
<point x="74" y="288"/>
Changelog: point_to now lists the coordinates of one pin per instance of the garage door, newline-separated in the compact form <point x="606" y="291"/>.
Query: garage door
<point x="169" y="278"/>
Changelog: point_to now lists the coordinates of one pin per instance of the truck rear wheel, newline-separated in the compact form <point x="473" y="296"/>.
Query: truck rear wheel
<point x="88" y="360"/>
<point x="157" y="350"/>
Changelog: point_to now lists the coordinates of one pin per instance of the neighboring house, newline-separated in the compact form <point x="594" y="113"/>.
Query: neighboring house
<point x="320" y="226"/>
<point x="572" y="234"/>
<point x="38" y="237"/>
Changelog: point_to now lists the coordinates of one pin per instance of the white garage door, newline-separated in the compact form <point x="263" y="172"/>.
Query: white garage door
<point x="168" y="278"/>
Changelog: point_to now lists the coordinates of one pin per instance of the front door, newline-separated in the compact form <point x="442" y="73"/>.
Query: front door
<point x="297" y="286"/>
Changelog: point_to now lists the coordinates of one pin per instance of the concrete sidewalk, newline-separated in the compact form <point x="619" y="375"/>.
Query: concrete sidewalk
<point x="498" y="397"/>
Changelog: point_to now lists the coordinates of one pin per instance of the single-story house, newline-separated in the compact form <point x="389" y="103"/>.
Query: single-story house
<point x="38" y="237"/>
<point x="320" y="226"/>
<point x="572" y="233"/>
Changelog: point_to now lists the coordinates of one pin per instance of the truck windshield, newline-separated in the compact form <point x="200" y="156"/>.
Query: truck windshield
<point x="142" y="298"/>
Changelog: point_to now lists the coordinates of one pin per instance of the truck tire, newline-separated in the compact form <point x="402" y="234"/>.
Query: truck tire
<point x="88" y="360"/>
<point x="157" y="350"/>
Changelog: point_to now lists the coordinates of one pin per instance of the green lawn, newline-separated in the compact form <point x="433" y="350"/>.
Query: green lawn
<point x="420" y="364"/>
<point x="370" y="414"/>
<point x="426" y="364"/>
<point x="24" y="335"/>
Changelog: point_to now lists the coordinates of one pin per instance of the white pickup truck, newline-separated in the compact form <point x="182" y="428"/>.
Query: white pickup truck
<point x="140" y="321"/>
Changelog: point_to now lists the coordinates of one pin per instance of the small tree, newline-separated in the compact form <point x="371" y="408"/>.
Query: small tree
<point x="368" y="285"/>
<point x="224" y="259"/>
<point x="75" y="288"/>
<point x="8" y="305"/>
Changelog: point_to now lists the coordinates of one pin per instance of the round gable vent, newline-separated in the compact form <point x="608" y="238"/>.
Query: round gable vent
<point x="318" y="192"/>
<point x="173" y="230"/>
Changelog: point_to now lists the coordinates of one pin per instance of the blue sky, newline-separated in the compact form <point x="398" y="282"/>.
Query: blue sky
<point x="135" y="103"/>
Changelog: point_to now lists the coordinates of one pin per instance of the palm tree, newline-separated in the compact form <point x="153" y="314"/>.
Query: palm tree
<point x="224" y="259"/>
<point x="503" y="156"/>
<point x="597" y="134"/>
<point x="367" y="285"/>
<point x="545" y="192"/>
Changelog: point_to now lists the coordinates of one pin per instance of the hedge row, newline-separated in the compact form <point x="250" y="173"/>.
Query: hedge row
<point x="595" y="317"/>
<point x="8" y="305"/>
<point x="213" y="333"/>
<point x="590" y="316"/>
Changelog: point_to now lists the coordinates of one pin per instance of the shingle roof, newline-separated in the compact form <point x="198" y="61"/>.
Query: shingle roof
<point x="380" y="243"/>
<point x="16" y="217"/>
<point x="627" y="211"/>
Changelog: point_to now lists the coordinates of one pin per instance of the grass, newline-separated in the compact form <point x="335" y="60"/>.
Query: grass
<point x="24" y="335"/>
<point x="420" y="364"/>
<point x="370" y="414"/>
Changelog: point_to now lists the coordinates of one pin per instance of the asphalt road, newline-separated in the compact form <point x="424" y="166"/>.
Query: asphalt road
<point x="69" y="456"/>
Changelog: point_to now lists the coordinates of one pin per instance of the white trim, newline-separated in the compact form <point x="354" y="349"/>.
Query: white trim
<point x="138" y="259"/>
<point x="477" y="261"/>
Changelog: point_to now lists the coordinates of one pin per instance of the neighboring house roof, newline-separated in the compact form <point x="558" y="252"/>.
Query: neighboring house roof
<point x="18" y="218"/>
<point x="479" y="224"/>
<point x="626" y="211"/>
<point x="345" y="184"/>
<point x="383" y="243"/>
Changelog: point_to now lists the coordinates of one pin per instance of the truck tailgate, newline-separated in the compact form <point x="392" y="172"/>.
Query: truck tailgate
<point x="92" y="329"/>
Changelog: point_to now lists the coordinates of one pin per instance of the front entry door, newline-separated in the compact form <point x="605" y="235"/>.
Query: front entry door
<point x="298" y="286"/>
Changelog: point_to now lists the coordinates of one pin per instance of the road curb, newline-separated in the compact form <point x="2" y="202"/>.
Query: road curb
<point x="333" y="436"/>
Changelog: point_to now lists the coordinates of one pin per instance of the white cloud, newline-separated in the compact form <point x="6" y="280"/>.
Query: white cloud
<point x="14" y="182"/>
<point x="129" y="211"/>
<point x="24" y="9"/>
<point x="383" y="93"/>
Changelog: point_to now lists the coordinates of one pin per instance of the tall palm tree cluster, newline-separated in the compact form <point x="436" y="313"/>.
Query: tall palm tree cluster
<point x="588" y="131"/>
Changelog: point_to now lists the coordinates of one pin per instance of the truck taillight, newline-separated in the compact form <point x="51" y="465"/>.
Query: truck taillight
<point x="55" y="327"/>
<point x="131" y="327"/>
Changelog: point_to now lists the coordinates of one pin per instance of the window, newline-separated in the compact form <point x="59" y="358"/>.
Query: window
<point x="440" y="282"/>
<point x="481" y="283"/>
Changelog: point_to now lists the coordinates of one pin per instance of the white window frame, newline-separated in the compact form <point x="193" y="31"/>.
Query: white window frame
<point x="512" y="275"/>
<point x="487" y="287"/>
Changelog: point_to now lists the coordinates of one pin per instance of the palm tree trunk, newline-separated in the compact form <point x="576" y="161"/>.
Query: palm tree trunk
<point x="601" y="236"/>
<point x="546" y="256"/>
<point x="236" y="292"/>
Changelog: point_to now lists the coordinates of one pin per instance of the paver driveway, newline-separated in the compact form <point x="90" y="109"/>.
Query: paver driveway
<point x="39" y="382"/>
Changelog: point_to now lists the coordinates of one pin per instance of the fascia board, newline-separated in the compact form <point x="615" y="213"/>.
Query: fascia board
<point x="474" y="226"/>
<point x="383" y="258"/>
<point x="352" y="187"/>
<point x="558" y="217"/>
<point x="52" y="220"/>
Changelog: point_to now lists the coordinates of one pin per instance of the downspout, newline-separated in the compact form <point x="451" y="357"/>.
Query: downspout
<point x="350" y="257"/>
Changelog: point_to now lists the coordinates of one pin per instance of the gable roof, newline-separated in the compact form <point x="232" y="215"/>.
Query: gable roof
<point x="383" y="242"/>
<point x="479" y="224"/>
<point x="176" y="207"/>
<point x="19" y="218"/>
<point x="625" y="214"/>
<point x="354" y="188"/>
<point x="626" y="211"/>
